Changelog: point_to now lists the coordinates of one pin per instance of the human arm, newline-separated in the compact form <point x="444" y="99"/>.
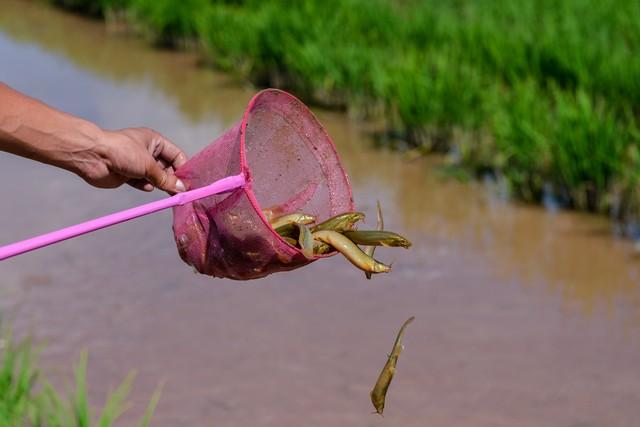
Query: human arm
<point x="105" y="159"/>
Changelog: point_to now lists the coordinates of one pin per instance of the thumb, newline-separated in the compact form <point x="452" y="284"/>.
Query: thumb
<point x="162" y="179"/>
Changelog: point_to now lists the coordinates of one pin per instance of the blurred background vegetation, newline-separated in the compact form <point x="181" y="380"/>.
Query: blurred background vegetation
<point x="28" y="399"/>
<point x="543" y="94"/>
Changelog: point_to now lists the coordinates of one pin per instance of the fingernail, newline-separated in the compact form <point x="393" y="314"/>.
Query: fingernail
<point x="180" y="186"/>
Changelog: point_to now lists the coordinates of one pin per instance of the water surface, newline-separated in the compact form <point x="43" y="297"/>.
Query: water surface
<point x="523" y="317"/>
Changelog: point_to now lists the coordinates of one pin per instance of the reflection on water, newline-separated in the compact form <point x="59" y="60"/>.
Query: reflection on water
<point x="508" y="298"/>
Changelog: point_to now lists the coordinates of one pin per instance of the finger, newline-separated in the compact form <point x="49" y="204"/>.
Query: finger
<point x="163" y="149"/>
<point x="141" y="184"/>
<point x="162" y="179"/>
<point x="165" y="165"/>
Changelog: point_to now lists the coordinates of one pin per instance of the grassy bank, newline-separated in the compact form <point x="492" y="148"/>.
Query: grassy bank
<point x="543" y="93"/>
<point x="27" y="398"/>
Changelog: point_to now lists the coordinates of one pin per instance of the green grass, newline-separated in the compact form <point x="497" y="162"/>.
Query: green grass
<point x="28" y="399"/>
<point x="545" y="92"/>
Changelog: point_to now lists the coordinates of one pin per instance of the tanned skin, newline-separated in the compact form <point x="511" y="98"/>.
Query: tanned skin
<point x="140" y="157"/>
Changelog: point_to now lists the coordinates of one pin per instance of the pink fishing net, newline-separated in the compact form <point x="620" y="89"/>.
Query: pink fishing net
<point x="290" y="165"/>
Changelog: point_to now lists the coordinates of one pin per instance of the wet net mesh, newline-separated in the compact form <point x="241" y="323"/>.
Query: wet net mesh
<point x="290" y="165"/>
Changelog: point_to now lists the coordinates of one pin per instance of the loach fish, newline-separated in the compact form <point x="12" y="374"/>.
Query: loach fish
<point x="351" y="251"/>
<point x="295" y="218"/>
<point x="289" y="240"/>
<point x="379" y="391"/>
<point x="305" y="240"/>
<point x="344" y="221"/>
<point x="377" y="238"/>
<point x="369" y="250"/>
<point x="341" y="222"/>
<point x="321" y="248"/>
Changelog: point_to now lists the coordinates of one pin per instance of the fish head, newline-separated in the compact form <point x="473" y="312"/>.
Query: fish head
<point x="378" y="402"/>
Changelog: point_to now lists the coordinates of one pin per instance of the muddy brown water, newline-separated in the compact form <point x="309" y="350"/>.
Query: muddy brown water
<point x="524" y="317"/>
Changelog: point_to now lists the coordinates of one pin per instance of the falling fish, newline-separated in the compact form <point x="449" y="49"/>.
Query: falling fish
<point x="379" y="391"/>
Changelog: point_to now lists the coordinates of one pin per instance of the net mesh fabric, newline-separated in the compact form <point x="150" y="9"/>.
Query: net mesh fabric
<point x="290" y="165"/>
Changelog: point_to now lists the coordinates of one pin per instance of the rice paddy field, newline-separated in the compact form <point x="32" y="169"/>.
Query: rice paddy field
<point x="544" y="95"/>
<point x="524" y="316"/>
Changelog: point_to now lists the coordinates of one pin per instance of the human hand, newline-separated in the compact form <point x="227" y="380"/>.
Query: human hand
<point x="140" y="157"/>
<point x="106" y="159"/>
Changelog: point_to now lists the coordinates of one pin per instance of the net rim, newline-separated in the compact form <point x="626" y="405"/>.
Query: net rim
<point x="291" y="250"/>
